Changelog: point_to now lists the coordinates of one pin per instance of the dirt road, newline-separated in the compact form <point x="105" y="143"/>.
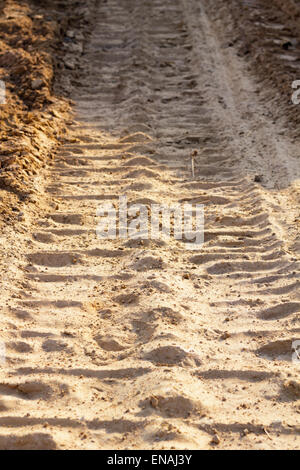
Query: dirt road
<point x="143" y="343"/>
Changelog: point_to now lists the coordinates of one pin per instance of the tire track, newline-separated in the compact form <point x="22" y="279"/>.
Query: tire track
<point x="141" y="343"/>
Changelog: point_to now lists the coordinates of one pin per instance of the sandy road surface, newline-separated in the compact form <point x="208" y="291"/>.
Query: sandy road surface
<point x="144" y="344"/>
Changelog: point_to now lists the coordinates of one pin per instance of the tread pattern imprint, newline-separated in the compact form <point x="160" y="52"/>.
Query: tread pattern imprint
<point x="142" y="343"/>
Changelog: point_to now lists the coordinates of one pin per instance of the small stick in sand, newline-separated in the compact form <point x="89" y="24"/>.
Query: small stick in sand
<point x="194" y="154"/>
<point x="266" y="431"/>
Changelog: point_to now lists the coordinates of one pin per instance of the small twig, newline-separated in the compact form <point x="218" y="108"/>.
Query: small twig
<point x="194" y="154"/>
<point x="267" y="434"/>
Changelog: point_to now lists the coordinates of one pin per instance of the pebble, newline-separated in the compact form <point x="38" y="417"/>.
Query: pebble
<point x="37" y="83"/>
<point x="215" y="439"/>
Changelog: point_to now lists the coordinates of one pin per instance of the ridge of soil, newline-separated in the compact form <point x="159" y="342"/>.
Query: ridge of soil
<point x="38" y="60"/>
<point x="268" y="51"/>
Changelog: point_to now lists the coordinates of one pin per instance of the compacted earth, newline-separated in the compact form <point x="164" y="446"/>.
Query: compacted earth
<point x="142" y="343"/>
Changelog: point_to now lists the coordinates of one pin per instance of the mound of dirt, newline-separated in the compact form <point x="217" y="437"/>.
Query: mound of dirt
<point x="175" y="406"/>
<point x="37" y="47"/>
<point x="266" y="35"/>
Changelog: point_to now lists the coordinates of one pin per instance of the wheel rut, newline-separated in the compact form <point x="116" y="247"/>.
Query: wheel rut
<point x="143" y="343"/>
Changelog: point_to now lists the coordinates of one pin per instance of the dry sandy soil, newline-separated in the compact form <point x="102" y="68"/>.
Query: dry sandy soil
<point x="143" y="344"/>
